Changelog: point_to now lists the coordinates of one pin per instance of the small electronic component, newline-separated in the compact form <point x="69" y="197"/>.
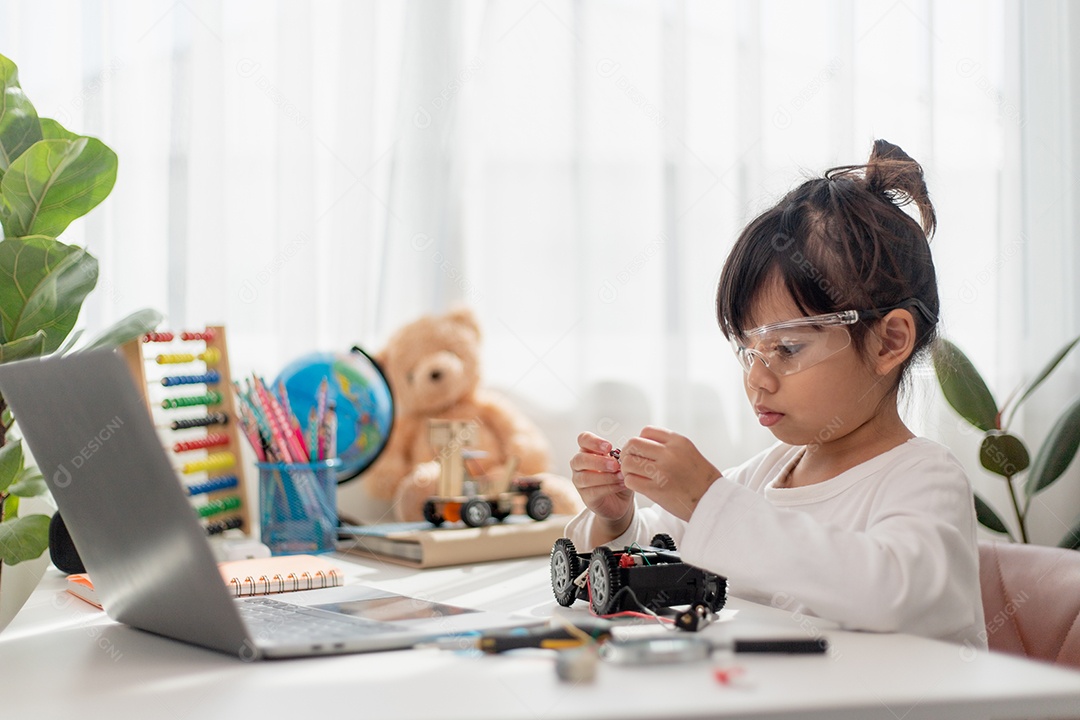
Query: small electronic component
<point x="615" y="453"/>
<point x="694" y="618"/>
<point x="577" y="665"/>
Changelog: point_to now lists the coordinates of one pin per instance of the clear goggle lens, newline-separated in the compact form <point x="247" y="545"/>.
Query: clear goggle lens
<point x="794" y="345"/>
<point x="785" y="351"/>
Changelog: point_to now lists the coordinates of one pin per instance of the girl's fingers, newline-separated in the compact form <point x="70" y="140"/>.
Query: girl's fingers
<point x="596" y="478"/>
<point x="643" y="448"/>
<point x="657" y="434"/>
<point x="593" y="443"/>
<point x="589" y="462"/>
<point x="588" y="480"/>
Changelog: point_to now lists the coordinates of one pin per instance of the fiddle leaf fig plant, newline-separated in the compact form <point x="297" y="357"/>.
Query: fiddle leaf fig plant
<point x="1002" y="452"/>
<point x="49" y="177"/>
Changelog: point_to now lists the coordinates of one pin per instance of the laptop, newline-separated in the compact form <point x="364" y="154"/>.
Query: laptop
<point x="147" y="553"/>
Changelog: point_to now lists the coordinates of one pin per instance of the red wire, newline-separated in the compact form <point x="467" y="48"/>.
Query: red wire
<point x="624" y="613"/>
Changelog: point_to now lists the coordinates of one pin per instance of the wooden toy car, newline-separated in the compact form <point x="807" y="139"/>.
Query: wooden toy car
<point x="476" y="510"/>
<point x="475" y="499"/>
<point x="634" y="578"/>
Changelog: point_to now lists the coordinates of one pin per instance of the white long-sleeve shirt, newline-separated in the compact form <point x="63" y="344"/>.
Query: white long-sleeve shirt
<point x="887" y="546"/>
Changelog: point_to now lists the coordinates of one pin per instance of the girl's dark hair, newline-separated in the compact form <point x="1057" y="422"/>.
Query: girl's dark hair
<point x="841" y="242"/>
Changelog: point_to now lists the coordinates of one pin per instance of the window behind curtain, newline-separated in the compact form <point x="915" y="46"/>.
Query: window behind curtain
<point x="314" y="175"/>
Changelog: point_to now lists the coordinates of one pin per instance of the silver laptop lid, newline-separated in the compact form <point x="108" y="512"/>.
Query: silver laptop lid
<point x="92" y="438"/>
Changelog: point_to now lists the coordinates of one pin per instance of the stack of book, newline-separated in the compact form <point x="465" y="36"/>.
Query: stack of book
<point x="422" y="545"/>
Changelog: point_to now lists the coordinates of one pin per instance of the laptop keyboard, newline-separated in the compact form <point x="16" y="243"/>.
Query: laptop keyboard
<point x="272" y="620"/>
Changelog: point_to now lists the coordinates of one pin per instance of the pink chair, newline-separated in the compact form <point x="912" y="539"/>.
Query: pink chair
<point x="1031" y="600"/>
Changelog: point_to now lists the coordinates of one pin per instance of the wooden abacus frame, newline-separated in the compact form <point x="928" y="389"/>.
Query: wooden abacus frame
<point x="221" y="494"/>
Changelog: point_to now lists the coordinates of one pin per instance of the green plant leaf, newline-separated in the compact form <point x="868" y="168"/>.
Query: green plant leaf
<point x="23" y="538"/>
<point x="1044" y="373"/>
<point x="1071" y="540"/>
<point x="42" y="286"/>
<point x="23" y="348"/>
<point x="11" y="508"/>
<point x="11" y="463"/>
<point x="1003" y="454"/>
<point x="52" y="130"/>
<point x="19" y="126"/>
<point x="988" y="518"/>
<point x="55" y="182"/>
<point x="963" y="387"/>
<point x="29" y="484"/>
<point x="1056" y="452"/>
<point x="134" y="325"/>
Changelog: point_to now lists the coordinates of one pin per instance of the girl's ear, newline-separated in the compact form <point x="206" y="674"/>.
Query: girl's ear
<point x="896" y="336"/>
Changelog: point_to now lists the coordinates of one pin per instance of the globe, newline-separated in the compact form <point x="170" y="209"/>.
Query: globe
<point x="358" y="390"/>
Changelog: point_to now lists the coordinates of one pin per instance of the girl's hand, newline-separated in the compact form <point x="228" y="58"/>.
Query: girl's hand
<point x="600" y="484"/>
<point x="667" y="468"/>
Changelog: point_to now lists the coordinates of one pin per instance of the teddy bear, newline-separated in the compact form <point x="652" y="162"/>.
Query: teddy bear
<point x="433" y="368"/>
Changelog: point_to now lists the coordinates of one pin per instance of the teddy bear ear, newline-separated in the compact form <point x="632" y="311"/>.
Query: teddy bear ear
<point x="464" y="317"/>
<point x="381" y="358"/>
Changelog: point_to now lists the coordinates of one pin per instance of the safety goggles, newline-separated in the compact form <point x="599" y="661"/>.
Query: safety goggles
<point x="792" y="346"/>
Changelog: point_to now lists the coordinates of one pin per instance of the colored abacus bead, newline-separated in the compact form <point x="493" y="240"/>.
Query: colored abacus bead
<point x="210" y="378"/>
<point x="211" y="398"/>
<point x="214" y="461"/>
<point x="213" y="485"/>
<point x="211" y="419"/>
<point x="210" y="356"/>
<point x="157" y="337"/>
<point x="211" y="440"/>
<point x="207" y="335"/>
<point x="219" y="526"/>
<point x="174" y="358"/>
<point x="219" y="506"/>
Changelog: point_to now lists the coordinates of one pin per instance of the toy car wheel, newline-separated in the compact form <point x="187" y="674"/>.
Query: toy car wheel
<point x="431" y="513"/>
<point x="604" y="580"/>
<point x="538" y="506"/>
<point x="565" y="567"/>
<point x="476" y="512"/>
<point x="663" y="540"/>
<point x="715" y="593"/>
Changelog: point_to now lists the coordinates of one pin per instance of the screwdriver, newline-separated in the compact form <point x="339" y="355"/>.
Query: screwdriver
<point x="550" y="637"/>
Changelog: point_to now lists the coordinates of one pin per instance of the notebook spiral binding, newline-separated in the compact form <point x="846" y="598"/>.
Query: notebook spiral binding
<point x="277" y="583"/>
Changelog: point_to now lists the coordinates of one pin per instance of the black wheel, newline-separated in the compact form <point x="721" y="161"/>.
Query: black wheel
<point x="431" y="513"/>
<point x="604" y="580"/>
<point x="715" y="593"/>
<point x="476" y="512"/>
<point x="538" y="506"/>
<point x="663" y="540"/>
<point x="565" y="567"/>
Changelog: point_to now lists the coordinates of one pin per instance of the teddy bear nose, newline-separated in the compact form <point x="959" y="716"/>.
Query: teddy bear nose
<point x="436" y="374"/>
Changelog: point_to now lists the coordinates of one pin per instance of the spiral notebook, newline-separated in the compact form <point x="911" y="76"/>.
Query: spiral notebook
<point x="258" y="576"/>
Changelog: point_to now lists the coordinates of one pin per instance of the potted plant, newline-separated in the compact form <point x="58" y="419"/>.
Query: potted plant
<point x="49" y="177"/>
<point x="1002" y="452"/>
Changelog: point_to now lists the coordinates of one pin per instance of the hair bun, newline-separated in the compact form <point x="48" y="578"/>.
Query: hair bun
<point x="893" y="173"/>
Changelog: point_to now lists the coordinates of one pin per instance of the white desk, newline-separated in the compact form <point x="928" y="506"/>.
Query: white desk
<point x="62" y="658"/>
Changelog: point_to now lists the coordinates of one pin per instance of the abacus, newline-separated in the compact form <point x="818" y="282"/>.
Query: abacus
<point x="186" y="383"/>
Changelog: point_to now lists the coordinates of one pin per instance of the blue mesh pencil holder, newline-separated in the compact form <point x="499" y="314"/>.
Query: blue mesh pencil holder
<point x="298" y="506"/>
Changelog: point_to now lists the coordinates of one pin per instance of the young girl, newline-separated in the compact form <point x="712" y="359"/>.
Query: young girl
<point x="826" y="298"/>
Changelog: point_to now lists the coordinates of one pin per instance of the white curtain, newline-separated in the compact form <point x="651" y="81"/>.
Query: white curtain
<point x="315" y="174"/>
